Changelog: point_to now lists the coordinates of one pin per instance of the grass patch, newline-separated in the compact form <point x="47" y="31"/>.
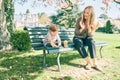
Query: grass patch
<point x="28" y="65"/>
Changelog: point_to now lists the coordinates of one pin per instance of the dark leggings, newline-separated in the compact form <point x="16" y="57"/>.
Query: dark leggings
<point x="88" y="41"/>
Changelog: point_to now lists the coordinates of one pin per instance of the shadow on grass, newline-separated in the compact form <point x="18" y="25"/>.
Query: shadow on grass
<point x="118" y="47"/>
<point x="7" y="54"/>
<point x="17" y="67"/>
<point x="20" y="67"/>
<point x="62" y="78"/>
<point x="64" y="59"/>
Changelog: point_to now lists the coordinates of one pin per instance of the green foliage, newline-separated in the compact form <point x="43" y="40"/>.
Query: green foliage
<point x="27" y="11"/>
<point x="9" y="12"/>
<point x="20" y="40"/>
<point x="110" y="28"/>
<point x="101" y="29"/>
<point x="44" y="19"/>
<point x="66" y="18"/>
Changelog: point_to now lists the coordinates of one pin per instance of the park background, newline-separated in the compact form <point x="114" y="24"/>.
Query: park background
<point x="19" y="62"/>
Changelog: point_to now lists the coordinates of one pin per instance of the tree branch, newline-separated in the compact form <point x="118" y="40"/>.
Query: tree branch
<point x="117" y="1"/>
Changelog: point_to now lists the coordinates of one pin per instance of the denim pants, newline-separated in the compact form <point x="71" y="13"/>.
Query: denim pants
<point x="81" y="42"/>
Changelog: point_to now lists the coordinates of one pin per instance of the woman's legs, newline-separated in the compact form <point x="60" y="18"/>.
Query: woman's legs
<point x="94" y="61"/>
<point x="80" y="46"/>
<point x="87" y="60"/>
<point x="92" y="49"/>
<point x="82" y="51"/>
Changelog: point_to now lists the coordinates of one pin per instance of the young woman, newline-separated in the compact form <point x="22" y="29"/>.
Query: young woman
<point x="85" y="27"/>
<point x="52" y="36"/>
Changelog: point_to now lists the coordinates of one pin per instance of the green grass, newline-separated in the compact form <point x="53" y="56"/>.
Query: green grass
<point x="28" y="65"/>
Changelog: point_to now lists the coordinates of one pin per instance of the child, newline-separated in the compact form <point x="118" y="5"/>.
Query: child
<point x="52" y="36"/>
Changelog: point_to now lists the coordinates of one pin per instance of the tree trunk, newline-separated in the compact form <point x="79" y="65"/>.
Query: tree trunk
<point x="4" y="34"/>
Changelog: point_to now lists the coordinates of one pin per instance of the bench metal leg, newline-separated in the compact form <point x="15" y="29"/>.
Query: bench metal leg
<point x="58" y="61"/>
<point x="101" y="51"/>
<point x="44" y="58"/>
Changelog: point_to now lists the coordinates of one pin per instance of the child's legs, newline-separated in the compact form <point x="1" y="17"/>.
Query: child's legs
<point x="49" y="45"/>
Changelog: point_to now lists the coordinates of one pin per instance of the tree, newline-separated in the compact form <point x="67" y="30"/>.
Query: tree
<point x="9" y="13"/>
<point x="27" y="11"/>
<point x="44" y="19"/>
<point x="4" y="34"/>
<point x="117" y="1"/>
<point x="64" y="4"/>
<point x="108" y="3"/>
<point x="61" y="3"/>
<point x="66" y="18"/>
<point x="104" y="16"/>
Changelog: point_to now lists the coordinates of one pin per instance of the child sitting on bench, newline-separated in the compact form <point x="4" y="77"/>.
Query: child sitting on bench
<point x="52" y="36"/>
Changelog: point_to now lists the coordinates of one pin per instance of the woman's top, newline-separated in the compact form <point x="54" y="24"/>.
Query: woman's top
<point x="83" y="33"/>
<point x="49" y="38"/>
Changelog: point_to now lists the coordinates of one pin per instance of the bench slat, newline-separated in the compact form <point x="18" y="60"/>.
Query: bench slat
<point x="36" y="40"/>
<point x="101" y="44"/>
<point x="37" y="33"/>
<point x="37" y="36"/>
<point x="37" y="46"/>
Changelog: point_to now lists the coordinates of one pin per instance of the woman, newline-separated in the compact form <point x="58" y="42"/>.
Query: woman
<point x="85" y="27"/>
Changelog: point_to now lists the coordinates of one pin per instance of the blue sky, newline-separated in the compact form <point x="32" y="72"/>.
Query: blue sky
<point x="114" y="11"/>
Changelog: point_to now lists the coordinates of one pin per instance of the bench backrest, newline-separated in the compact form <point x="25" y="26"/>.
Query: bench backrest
<point x="37" y="34"/>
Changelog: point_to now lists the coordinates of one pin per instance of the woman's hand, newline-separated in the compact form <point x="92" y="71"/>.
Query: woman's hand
<point x="89" y="29"/>
<point x="82" y="26"/>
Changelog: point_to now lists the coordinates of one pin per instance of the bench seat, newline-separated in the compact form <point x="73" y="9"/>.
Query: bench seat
<point x="37" y="35"/>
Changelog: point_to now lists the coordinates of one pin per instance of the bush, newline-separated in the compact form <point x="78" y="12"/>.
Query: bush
<point x="101" y="29"/>
<point x="110" y="28"/>
<point x="115" y="29"/>
<point x="20" y="40"/>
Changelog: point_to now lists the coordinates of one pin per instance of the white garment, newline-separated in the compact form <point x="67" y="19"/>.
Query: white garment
<point x="49" y="38"/>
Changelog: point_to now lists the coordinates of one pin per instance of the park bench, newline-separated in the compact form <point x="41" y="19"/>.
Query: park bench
<point x="37" y="34"/>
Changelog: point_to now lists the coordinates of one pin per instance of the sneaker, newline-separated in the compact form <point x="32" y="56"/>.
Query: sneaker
<point x="87" y="66"/>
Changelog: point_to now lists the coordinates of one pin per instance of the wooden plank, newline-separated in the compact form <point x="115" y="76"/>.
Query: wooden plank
<point x="38" y="33"/>
<point x="36" y="40"/>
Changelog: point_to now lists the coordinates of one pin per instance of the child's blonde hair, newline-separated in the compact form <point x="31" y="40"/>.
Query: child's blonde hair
<point x="53" y="27"/>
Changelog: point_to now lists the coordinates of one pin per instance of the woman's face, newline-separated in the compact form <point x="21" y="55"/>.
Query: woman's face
<point x="86" y="13"/>
<point x="53" y="33"/>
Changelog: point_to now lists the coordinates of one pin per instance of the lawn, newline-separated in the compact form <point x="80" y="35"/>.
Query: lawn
<point x="16" y="65"/>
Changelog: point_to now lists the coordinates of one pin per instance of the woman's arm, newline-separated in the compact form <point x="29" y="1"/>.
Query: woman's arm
<point x="79" y="26"/>
<point x="92" y="28"/>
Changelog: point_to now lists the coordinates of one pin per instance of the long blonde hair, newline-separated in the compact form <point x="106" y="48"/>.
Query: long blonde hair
<point x="92" y="22"/>
<point x="91" y="18"/>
